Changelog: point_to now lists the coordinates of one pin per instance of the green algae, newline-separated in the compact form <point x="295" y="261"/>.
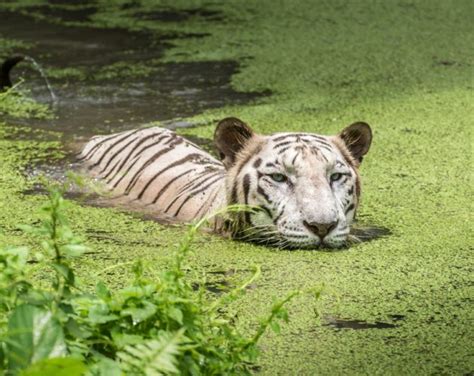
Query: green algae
<point x="9" y="46"/>
<point x="124" y="70"/>
<point x="406" y="68"/>
<point x="69" y="73"/>
<point x="17" y="104"/>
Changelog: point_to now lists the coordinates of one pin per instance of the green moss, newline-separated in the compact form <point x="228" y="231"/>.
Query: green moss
<point x="9" y="46"/>
<point x="73" y="73"/>
<point x="124" y="70"/>
<point x="404" y="67"/>
<point x="17" y="104"/>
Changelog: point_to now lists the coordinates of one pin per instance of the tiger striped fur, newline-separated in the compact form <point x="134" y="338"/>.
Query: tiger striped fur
<point x="306" y="187"/>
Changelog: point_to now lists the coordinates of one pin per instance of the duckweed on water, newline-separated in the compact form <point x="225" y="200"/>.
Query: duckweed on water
<point x="405" y="67"/>
<point x="18" y="104"/>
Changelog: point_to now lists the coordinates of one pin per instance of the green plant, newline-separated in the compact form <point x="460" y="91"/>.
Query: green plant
<point x="152" y="327"/>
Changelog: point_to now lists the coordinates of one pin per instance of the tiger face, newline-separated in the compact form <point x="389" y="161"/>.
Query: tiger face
<point x="306" y="187"/>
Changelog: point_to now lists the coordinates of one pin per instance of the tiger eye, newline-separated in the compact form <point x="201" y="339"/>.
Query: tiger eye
<point x="279" y="178"/>
<point x="335" y="177"/>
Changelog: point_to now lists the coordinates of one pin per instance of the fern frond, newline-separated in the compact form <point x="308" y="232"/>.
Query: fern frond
<point x="155" y="357"/>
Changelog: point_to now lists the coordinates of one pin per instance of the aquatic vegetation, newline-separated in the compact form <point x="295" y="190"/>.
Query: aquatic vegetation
<point x="158" y="325"/>
<point x="18" y="104"/>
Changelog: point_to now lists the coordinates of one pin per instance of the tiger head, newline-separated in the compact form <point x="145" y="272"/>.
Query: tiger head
<point x="306" y="187"/>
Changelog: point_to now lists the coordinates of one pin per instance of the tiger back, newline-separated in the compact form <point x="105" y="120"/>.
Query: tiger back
<point x="158" y="170"/>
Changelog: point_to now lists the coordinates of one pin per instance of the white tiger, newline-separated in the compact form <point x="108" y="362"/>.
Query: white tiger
<point x="306" y="186"/>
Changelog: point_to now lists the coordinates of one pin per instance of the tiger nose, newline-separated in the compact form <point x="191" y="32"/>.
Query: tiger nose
<point x="320" y="229"/>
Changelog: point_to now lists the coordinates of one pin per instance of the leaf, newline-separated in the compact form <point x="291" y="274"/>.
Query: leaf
<point x="176" y="314"/>
<point x="100" y="314"/>
<point x="73" y="250"/>
<point x="56" y="367"/>
<point x="76" y="330"/>
<point x="153" y="357"/>
<point x="33" y="334"/>
<point x="106" y="367"/>
<point x="275" y="327"/>
<point x="140" y="314"/>
<point x="102" y="291"/>
<point x="65" y="271"/>
<point x="122" y="340"/>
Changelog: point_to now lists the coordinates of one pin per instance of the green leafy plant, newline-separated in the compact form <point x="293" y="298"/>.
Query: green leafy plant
<point x="156" y="326"/>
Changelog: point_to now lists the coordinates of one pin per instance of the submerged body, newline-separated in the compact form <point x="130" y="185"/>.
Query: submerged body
<point x="160" y="170"/>
<point x="305" y="187"/>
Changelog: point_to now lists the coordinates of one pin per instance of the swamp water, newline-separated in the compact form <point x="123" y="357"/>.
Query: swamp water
<point x="111" y="80"/>
<point x="101" y="81"/>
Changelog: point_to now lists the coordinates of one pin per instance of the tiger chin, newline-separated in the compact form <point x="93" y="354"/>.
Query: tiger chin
<point x="303" y="188"/>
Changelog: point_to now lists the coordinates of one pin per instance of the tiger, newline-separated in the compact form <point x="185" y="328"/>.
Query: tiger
<point x="304" y="188"/>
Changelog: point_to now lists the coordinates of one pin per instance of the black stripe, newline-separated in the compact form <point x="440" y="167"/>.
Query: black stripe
<point x="284" y="137"/>
<point x="114" y="156"/>
<point x="298" y="135"/>
<point x="318" y="140"/>
<point x="350" y="207"/>
<point x="275" y="221"/>
<point x="140" y="171"/>
<point x="158" y="141"/>
<point x="130" y="156"/>
<point x="266" y="210"/>
<point x="179" y="162"/>
<point x="205" y="173"/>
<point x="281" y="151"/>
<point x="97" y="145"/>
<point x="321" y="146"/>
<point x="249" y="156"/>
<point x="167" y="185"/>
<point x="294" y="158"/>
<point x="233" y="195"/>
<point x="183" y="191"/>
<point x="350" y="191"/>
<point x="323" y="156"/>
<point x="204" y="204"/>
<point x="257" y="163"/>
<point x="111" y="147"/>
<point x="172" y="137"/>
<point x="264" y="194"/>
<point x="246" y="188"/>
<point x="112" y="169"/>
<point x="195" y="193"/>
<point x="284" y="143"/>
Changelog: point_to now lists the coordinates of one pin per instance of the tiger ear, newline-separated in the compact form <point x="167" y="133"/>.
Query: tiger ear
<point x="230" y="137"/>
<point x="357" y="137"/>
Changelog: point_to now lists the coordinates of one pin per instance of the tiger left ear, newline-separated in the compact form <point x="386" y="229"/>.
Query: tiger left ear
<point x="230" y="137"/>
<point x="357" y="137"/>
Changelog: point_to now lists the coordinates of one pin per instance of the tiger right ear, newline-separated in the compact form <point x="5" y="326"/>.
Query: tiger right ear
<point x="230" y="137"/>
<point x="357" y="137"/>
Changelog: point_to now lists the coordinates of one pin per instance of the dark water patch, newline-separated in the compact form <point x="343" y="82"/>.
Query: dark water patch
<point x="339" y="323"/>
<point x="226" y="273"/>
<point x="106" y="237"/>
<point x="180" y="16"/>
<point x="60" y="14"/>
<point x="110" y="80"/>
<point x="367" y="233"/>
<point x="216" y="288"/>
